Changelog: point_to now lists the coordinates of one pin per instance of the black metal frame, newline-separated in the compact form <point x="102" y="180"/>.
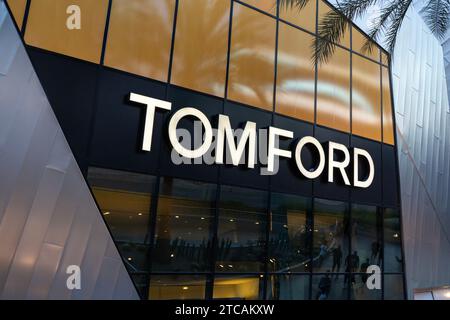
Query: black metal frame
<point x="214" y="227"/>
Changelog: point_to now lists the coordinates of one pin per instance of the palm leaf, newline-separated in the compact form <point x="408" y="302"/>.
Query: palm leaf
<point x="436" y="15"/>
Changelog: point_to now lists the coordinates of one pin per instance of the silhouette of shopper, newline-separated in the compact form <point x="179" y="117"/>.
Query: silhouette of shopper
<point x="337" y="257"/>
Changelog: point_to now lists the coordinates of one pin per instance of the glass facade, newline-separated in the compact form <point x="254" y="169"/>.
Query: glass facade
<point x="202" y="232"/>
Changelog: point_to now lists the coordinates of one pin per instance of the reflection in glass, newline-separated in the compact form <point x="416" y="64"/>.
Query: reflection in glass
<point x="333" y="91"/>
<point x="139" y="37"/>
<point x="200" y="53"/>
<point x="305" y="18"/>
<point x="358" y="41"/>
<point x="366" y="102"/>
<point x="18" y="10"/>
<point x="288" y="287"/>
<point x="324" y="8"/>
<point x="360" y="291"/>
<point x="330" y="234"/>
<point x="124" y="200"/>
<point x="393" y="260"/>
<point x="289" y="242"/>
<point x="168" y="287"/>
<point x="388" y="126"/>
<point x="393" y="287"/>
<point x="141" y="282"/>
<point x="269" y="6"/>
<point x="238" y="287"/>
<point x="252" y="58"/>
<point x="242" y="230"/>
<point x="182" y="238"/>
<point x="326" y="287"/>
<point x="46" y="28"/>
<point x="295" y="74"/>
<point x="366" y="237"/>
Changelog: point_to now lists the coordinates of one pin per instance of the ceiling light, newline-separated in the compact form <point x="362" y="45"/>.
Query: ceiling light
<point x="106" y="213"/>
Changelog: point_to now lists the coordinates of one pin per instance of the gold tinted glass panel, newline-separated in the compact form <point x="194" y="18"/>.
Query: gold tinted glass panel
<point x="139" y="37"/>
<point x="252" y="55"/>
<point x="323" y="10"/>
<point x="388" y="126"/>
<point x="18" y="10"/>
<point x="333" y="92"/>
<point x="358" y="41"/>
<point x="270" y="6"/>
<point x="169" y="287"/>
<point x="305" y="17"/>
<point x="237" y="287"/>
<point x="384" y="58"/>
<point x="366" y="102"/>
<point x="46" y="28"/>
<point x="295" y="74"/>
<point x="200" y="54"/>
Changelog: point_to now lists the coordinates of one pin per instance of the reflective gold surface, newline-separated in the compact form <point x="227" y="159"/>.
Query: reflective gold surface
<point x="18" y="10"/>
<point x="270" y="6"/>
<point x="236" y="287"/>
<point x="168" y="287"/>
<point x="295" y="74"/>
<point x="252" y="55"/>
<point x="333" y="92"/>
<point x="139" y="37"/>
<point x="358" y="41"/>
<point x="305" y="18"/>
<point x="388" y="126"/>
<point x="366" y="100"/>
<point x="46" y="28"/>
<point x="200" y="54"/>
<point x="323" y="10"/>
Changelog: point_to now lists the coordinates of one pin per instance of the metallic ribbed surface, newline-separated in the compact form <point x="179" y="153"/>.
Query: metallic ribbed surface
<point x="423" y="135"/>
<point x="48" y="218"/>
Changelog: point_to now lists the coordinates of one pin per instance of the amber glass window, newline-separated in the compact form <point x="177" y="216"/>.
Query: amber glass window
<point x="323" y="10"/>
<point x="182" y="239"/>
<point x="388" y="126"/>
<point x="46" y="28"/>
<point x="331" y="236"/>
<point x="366" y="102"/>
<point x="124" y="199"/>
<point x="270" y="6"/>
<point x="201" y="40"/>
<point x="358" y="41"/>
<point x="295" y="74"/>
<point x="252" y="56"/>
<point x="239" y="287"/>
<point x="242" y="230"/>
<point x="170" y="287"/>
<point x="18" y="10"/>
<point x="139" y="37"/>
<point x="333" y="91"/>
<point x="305" y="17"/>
<point x="289" y="240"/>
<point x="384" y="58"/>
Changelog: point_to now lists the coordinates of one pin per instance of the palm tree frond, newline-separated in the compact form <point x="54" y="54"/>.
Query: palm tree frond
<point x="436" y="16"/>
<point x="289" y="4"/>
<point x="396" y="22"/>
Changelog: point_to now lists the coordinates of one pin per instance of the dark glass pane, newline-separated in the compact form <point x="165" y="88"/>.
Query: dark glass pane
<point x="288" y="287"/>
<point x="242" y="230"/>
<point x="124" y="199"/>
<point x="238" y="287"/>
<point x="328" y="287"/>
<point x="393" y="260"/>
<point x="366" y="238"/>
<point x="289" y="242"/>
<point x="360" y="291"/>
<point x="141" y="283"/>
<point x="168" y="287"/>
<point x="393" y="287"/>
<point x="331" y="231"/>
<point x="182" y="238"/>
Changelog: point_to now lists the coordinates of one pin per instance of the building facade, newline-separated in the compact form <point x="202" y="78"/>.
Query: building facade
<point x="202" y="230"/>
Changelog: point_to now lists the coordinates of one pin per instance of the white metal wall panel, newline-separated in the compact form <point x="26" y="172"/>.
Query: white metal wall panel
<point x="48" y="218"/>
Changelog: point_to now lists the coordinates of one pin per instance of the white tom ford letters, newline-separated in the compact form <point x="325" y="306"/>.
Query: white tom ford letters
<point x="248" y="138"/>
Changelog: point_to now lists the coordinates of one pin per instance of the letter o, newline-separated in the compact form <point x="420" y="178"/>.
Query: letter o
<point x="200" y="151"/>
<point x="298" y="150"/>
